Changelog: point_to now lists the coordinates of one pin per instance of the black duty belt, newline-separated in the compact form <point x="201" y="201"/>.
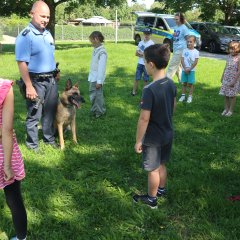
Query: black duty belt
<point x="41" y="75"/>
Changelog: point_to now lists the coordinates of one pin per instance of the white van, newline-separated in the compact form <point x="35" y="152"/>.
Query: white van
<point x="162" y="28"/>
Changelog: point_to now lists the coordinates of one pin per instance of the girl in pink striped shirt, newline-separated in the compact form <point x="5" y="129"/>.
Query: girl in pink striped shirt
<point x="11" y="162"/>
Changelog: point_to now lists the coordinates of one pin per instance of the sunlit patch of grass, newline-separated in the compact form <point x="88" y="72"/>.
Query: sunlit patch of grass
<point x="85" y="191"/>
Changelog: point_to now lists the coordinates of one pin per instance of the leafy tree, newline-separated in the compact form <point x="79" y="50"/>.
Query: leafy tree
<point x="177" y="5"/>
<point x="22" y="7"/>
<point x="89" y="10"/>
<point x="193" y="15"/>
<point x="209" y="8"/>
<point x="158" y="7"/>
<point x="138" y="7"/>
<point x="228" y="7"/>
<point x="124" y="13"/>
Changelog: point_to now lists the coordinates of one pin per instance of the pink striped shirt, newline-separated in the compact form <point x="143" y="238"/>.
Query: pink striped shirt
<point x="17" y="161"/>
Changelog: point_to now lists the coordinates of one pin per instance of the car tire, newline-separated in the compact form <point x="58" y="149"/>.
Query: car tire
<point x="167" y="41"/>
<point x="137" y="39"/>
<point x="212" y="47"/>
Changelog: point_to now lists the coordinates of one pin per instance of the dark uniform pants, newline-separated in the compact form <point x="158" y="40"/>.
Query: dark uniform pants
<point x="47" y="91"/>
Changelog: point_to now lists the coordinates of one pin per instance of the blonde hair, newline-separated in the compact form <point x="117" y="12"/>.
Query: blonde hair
<point x="192" y="36"/>
<point x="235" y="46"/>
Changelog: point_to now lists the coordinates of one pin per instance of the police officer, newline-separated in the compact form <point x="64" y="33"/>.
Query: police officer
<point x="35" y="57"/>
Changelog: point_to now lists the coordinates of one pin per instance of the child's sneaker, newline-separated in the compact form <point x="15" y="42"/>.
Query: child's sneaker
<point x="182" y="98"/>
<point x="189" y="100"/>
<point x="229" y="114"/>
<point x="146" y="200"/>
<point x="162" y="192"/>
<point x="224" y="112"/>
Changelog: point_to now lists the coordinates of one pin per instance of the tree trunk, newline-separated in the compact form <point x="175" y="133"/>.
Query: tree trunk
<point x="51" y="24"/>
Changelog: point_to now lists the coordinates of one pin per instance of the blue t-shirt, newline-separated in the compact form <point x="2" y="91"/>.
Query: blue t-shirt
<point x="179" y="37"/>
<point x="36" y="49"/>
<point x="158" y="97"/>
<point x="141" y="46"/>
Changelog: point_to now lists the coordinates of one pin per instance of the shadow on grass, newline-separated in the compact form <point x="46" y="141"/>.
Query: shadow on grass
<point x="8" y="49"/>
<point x="85" y="191"/>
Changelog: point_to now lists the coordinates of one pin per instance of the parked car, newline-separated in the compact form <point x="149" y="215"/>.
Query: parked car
<point x="162" y="28"/>
<point x="214" y="36"/>
<point x="233" y="30"/>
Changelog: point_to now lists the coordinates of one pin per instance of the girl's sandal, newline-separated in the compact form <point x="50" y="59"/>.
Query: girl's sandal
<point x="229" y="114"/>
<point x="224" y="112"/>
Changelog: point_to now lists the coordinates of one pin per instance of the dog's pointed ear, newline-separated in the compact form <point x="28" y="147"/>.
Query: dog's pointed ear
<point x="68" y="84"/>
<point x="76" y="84"/>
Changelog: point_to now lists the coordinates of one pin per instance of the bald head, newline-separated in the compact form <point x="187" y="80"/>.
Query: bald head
<point x="40" y="14"/>
<point x="39" y="5"/>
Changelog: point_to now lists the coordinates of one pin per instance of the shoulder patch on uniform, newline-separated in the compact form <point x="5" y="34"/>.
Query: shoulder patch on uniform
<point x="25" y="32"/>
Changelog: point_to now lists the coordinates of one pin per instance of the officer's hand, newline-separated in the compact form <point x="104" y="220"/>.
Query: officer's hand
<point x="57" y="78"/>
<point x="31" y="93"/>
<point x="98" y="86"/>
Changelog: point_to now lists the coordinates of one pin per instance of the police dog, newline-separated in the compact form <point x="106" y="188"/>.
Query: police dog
<point x="69" y="101"/>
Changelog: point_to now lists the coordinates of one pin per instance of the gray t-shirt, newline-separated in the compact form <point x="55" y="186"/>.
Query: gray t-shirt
<point x="158" y="97"/>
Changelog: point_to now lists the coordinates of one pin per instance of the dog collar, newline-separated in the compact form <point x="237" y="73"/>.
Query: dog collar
<point x="66" y="105"/>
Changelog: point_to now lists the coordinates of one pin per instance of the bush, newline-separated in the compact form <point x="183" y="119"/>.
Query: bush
<point x="13" y="25"/>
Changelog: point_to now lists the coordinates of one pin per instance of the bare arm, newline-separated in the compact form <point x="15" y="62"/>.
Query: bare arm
<point x="223" y="72"/>
<point x="183" y="64"/>
<point x="30" y="90"/>
<point x="141" y="129"/>
<point x="186" y="70"/>
<point x="7" y="133"/>
<point x="194" y="64"/>
<point x="238" y="73"/>
<point x="234" y="81"/>
<point x="139" y="53"/>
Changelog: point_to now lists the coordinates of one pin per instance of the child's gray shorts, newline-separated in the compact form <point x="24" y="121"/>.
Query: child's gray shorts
<point x="154" y="156"/>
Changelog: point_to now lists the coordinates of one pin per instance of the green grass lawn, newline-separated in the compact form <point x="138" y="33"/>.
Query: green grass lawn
<point x="85" y="192"/>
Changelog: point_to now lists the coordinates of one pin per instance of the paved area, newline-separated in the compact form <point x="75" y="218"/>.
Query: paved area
<point x="222" y="56"/>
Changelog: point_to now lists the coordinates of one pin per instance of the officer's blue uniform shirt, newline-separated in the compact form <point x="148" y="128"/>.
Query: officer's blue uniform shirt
<point x="36" y="49"/>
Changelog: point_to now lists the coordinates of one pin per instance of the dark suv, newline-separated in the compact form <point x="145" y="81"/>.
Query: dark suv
<point x="214" y="36"/>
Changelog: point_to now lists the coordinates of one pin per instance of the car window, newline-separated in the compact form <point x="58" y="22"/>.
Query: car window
<point x="188" y="25"/>
<point x="145" y="21"/>
<point x="194" y="26"/>
<point x="160" y="24"/>
<point x="217" y="28"/>
<point x="171" y="23"/>
<point x="233" y="31"/>
<point x="202" y="28"/>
